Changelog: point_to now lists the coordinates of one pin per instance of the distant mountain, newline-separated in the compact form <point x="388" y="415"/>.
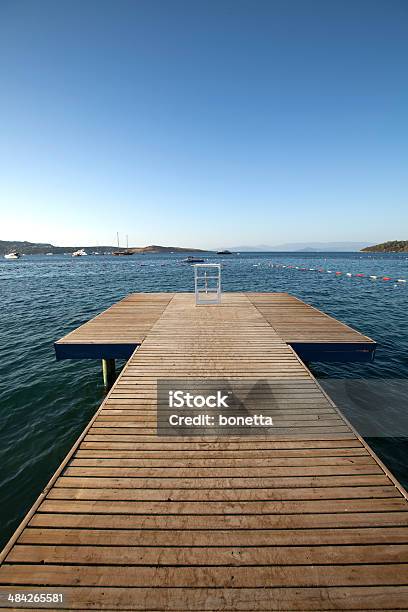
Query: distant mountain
<point x="154" y="248"/>
<point x="305" y="247"/>
<point x="251" y="249"/>
<point x="392" y="246"/>
<point x="40" y="248"/>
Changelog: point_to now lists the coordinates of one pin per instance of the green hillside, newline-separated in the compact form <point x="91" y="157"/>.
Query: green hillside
<point x="392" y="246"/>
<point x="40" y="248"/>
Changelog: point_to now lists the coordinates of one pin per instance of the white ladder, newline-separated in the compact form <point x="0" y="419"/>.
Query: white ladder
<point x="207" y="284"/>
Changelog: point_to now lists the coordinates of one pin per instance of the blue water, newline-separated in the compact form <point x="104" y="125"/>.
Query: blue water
<point x="44" y="405"/>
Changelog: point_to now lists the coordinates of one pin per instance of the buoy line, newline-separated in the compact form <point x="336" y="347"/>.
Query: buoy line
<point x="339" y="273"/>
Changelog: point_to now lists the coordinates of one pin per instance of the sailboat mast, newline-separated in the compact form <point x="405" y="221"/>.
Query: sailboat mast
<point x="117" y="236"/>
<point x="127" y="241"/>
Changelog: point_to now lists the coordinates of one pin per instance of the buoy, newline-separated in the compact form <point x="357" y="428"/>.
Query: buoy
<point x="360" y="275"/>
<point x="339" y="272"/>
<point x="349" y="274"/>
<point x="386" y="278"/>
<point x="373" y="277"/>
<point x="401" y="280"/>
<point x="329" y="271"/>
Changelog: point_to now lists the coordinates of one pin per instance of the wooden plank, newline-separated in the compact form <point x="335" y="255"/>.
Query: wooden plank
<point x="255" y="482"/>
<point x="209" y="555"/>
<point x="248" y="537"/>
<point x="208" y="576"/>
<point x="216" y="495"/>
<point x="223" y="508"/>
<point x="200" y="599"/>
<point x="233" y="599"/>
<point x="152" y="472"/>
<point x="220" y="463"/>
<point x="224" y="521"/>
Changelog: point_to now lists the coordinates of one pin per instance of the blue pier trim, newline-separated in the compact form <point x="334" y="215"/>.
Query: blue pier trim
<point x="94" y="351"/>
<point x="308" y="351"/>
<point x="361" y="352"/>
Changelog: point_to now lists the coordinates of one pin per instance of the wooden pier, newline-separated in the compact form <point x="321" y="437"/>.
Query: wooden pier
<point x="305" y="519"/>
<point x="315" y="336"/>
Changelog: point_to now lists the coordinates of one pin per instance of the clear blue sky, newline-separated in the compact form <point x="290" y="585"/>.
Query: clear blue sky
<point x="203" y="123"/>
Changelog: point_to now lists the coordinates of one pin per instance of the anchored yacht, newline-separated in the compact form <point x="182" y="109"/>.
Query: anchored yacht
<point x="12" y="255"/>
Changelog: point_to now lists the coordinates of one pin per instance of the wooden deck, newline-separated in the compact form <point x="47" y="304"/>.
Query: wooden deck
<point x="117" y="331"/>
<point x="304" y="519"/>
<point x="314" y="335"/>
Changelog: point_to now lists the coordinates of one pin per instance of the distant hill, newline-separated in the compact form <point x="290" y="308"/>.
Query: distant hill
<point x="392" y="246"/>
<point x="40" y="248"/>
<point x="315" y="247"/>
<point x="154" y="248"/>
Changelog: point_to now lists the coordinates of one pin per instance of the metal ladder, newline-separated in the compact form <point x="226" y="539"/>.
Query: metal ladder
<point x="207" y="284"/>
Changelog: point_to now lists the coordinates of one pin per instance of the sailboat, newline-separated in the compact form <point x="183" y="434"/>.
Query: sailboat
<point x="122" y="253"/>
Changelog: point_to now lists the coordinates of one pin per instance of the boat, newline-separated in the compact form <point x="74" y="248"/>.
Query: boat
<point x="12" y="255"/>
<point x="122" y="253"/>
<point x="79" y="253"/>
<point x="225" y="252"/>
<point x="191" y="259"/>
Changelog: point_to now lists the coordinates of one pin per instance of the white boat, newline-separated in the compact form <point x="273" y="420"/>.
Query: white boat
<point x="191" y="259"/>
<point x="12" y="255"/>
<point x="79" y="253"/>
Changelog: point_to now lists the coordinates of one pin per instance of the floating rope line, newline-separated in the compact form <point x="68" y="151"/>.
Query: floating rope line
<point x="339" y="273"/>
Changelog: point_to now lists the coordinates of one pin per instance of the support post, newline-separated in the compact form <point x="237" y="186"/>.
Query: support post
<point x="108" y="373"/>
